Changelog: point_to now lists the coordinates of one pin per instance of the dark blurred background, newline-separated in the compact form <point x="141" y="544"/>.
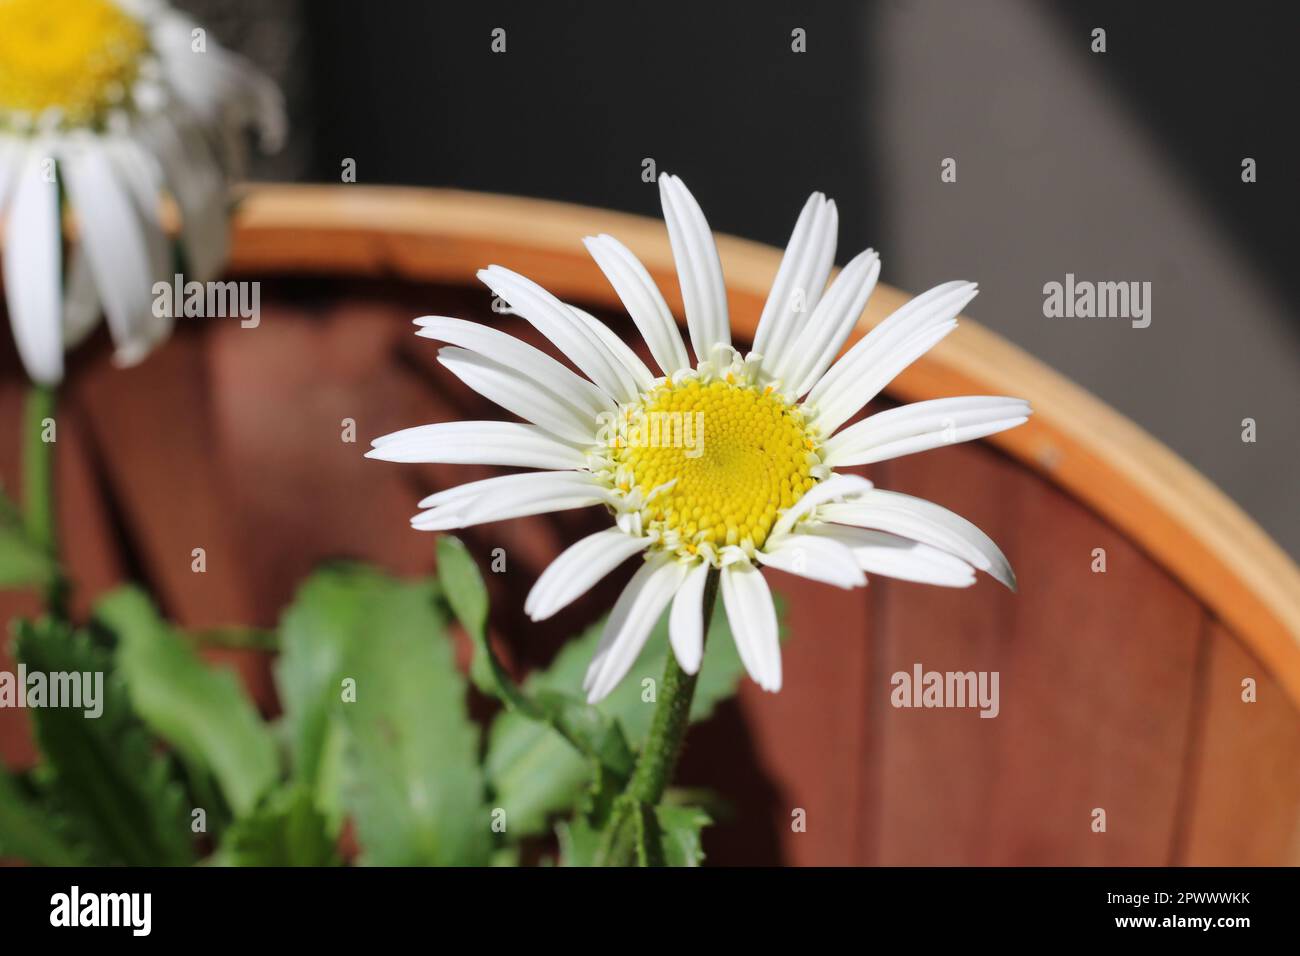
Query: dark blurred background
<point x="1116" y="166"/>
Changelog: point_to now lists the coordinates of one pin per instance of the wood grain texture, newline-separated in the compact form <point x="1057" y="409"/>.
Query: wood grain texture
<point x="152" y="430"/>
<point x="811" y="747"/>
<point x="1096" y="679"/>
<point x="1243" y="800"/>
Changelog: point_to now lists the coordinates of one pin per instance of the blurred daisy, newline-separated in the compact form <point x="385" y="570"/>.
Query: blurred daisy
<point x="729" y="463"/>
<point x="106" y="108"/>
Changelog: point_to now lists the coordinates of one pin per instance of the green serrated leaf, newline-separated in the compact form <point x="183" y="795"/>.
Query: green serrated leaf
<point x="286" y="829"/>
<point x="117" y="795"/>
<point x="23" y="563"/>
<point x="465" y="592"/>
<point x="331" y="776"/>
<point x="329" y="616"/>
<point x="201" y="711"/>
<point x="712" y="803"/>
<point x="679" y="834"/>
<point x="592" y="733"/>
<point x="533" y="770"/>
<point x="579" y="842"/>
<point x="27" y="830"/>
<point x="642" y="835"/>
<point x="582" y="836"/>
<point x="410" y="776"/>
<point x="466" y="595"/>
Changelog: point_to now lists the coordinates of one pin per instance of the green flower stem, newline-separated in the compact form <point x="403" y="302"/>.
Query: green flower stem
<point x="654" y="768"/>
<point x="38" y="487"/>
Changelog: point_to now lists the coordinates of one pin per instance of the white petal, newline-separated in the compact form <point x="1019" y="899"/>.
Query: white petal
<point x="549" y="374"/>
<point x="80" y="299"/>
<point x="699" y="270"/>
<point x="489" y="487"/>
<point x="118" y="249"/>
<point x="798" y="285"/>
<point x="223" y="88"/>
<point x="630" y="622"/>
<point x="138" y="172"/>
<point x="886" y="350"/>
<point x="578" y="568"/>
<point x="260" y="100"/>
<point x="880" y="553"/>
<point x="478" y="443"/>
<point x="921" y="426"/>
<point x="833" y="320"/>
<point x="815" y="557"/>
<point x="204" y="83"/>
<point x="926" y="522"/>
<point x="834" y="487"/>
<point x="847" y="398"/>
<point x="753" y="623"/>
<point x="199" y="186"/>
<point x="516" y="391"/>
<point x="504" y="486"/>
<point x="642" y="299"/>
<point x="509" y="496"/>
<point x="686" y="620"/>
<point x="637" y="377"/>
<point x="33" y="251"/>
<point x="558" y="323"/>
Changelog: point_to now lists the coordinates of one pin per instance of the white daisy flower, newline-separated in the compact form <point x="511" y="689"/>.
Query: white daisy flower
<point x="730" y="463"/>
<point x="109" y="106"/>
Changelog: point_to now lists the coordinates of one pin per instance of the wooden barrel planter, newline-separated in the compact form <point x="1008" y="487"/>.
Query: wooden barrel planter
<point x="1120" y="691"/>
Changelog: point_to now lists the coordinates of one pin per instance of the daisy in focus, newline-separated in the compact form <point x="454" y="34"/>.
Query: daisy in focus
<point x="723" y="466"/>
<point x="107" y="107"/>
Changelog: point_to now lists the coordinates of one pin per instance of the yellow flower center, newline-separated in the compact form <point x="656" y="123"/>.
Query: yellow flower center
<point x="737" y="456"/>
<point x="79" y="57"/>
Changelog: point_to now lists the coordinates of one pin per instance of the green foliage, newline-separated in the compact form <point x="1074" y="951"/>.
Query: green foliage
<point x="199" y="710"/>
<point x="580" y="842"/>
<point x="410" y="771"/>
<point x="590" y="732"/>
<point x="117" y="796"/>
<point x="23" y="562"/>
<point x="466" y="595"/>
<point x="535" y="773"/>
<point x="375" y="729"/>
<point x="318" y="632"/>
<point x="287" y="829"/>
<point x="679" y="834"/>
<point x="28" y="829"/>
<point x="663" y="835"/>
